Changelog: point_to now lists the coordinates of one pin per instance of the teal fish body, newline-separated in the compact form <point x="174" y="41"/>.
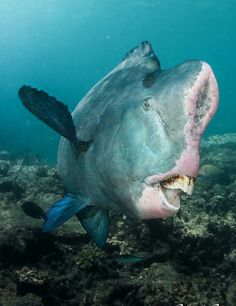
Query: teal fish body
<point x="144" y="126"/>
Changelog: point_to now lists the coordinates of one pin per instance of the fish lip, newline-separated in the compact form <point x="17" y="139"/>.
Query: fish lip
<point x="173" y="184"/>
<point x="165" y="202"/>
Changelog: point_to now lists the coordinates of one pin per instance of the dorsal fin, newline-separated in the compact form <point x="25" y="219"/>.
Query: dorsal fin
<point x="142" y="55"/>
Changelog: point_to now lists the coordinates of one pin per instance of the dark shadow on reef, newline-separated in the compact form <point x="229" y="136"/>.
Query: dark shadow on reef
<point x="189" y="259"/>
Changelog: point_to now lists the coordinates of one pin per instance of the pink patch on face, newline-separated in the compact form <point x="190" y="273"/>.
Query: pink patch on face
<point x="151" y="206"/>
<point x="188" y="163"/>
<point x="200" y="104"/>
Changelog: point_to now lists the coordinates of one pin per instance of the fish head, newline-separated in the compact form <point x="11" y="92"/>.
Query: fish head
<point x="178" y="106"/>
<point x="156" y="147"/>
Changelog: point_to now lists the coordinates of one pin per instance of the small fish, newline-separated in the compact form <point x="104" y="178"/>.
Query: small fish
<point x="33" y="210"/>
<point x="211" y="171"/>
<point x="132" y="143"/>
<point x="136" y="258"/>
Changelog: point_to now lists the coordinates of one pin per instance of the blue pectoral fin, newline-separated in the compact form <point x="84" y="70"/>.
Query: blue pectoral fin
<point x="96" y="223"/>
<point x="53" y="113"/>
<point x="62" y="210"/>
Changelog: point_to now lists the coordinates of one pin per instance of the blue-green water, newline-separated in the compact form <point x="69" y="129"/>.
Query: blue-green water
<point x="65" y="47"/>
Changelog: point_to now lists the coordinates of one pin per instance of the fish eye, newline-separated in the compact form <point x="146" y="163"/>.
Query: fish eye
<point x="147" y="103"/>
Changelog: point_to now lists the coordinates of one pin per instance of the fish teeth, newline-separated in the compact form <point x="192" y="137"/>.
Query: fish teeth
<point x="182" y="182"/>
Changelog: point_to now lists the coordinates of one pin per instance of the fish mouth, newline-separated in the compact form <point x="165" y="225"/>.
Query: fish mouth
<point x="169" y="190"/>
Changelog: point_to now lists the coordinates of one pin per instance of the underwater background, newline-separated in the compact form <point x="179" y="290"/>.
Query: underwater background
<point x="64" y="47"/>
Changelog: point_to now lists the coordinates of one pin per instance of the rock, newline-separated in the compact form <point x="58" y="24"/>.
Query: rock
<point x="31" y="280"/>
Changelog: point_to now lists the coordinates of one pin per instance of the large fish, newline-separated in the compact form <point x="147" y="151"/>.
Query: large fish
<point x="132" y="143"/>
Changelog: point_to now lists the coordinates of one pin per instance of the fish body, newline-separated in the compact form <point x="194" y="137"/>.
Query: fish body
<point x="132" y="143"/>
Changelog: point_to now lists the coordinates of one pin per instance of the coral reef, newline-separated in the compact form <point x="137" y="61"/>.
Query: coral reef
<point x="189" y="258"/>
